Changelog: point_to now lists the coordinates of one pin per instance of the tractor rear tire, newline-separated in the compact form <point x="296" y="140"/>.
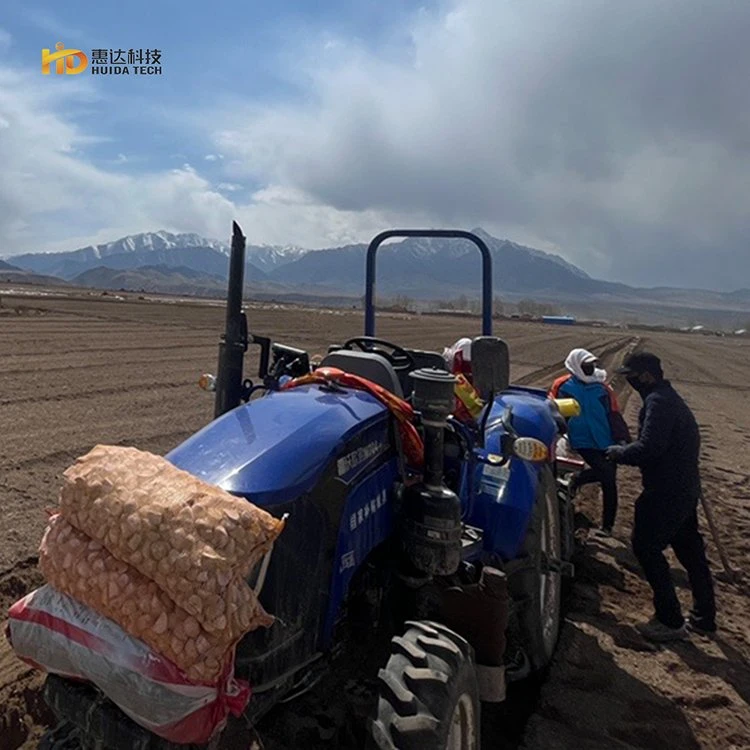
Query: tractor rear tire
<point x="538" y="589"/>
<point x="429" y="697"/>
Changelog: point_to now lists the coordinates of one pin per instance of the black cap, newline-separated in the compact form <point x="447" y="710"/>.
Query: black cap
<point x="640" y="362"/>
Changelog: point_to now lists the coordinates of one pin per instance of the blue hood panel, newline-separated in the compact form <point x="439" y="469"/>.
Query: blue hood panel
<point x="532" y="413"/>
<point x="275" y="448"/>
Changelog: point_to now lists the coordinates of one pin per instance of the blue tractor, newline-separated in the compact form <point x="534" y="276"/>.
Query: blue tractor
<point x="460" y="561"/>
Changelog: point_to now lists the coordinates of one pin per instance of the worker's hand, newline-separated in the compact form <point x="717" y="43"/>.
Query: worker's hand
<point x="614" y="453"/>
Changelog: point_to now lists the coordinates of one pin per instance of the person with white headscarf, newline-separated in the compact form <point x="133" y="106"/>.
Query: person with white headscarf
<point x="599" y="426"/>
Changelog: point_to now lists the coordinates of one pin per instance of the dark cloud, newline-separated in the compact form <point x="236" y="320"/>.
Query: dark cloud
<point x="616" y="131"/>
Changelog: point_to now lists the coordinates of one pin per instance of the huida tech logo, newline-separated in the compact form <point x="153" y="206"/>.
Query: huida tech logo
<point x="103" y="61"/>
<point x="65" y="60"/>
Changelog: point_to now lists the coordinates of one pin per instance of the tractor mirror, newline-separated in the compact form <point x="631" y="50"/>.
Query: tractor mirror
<point x="490" y="365"/>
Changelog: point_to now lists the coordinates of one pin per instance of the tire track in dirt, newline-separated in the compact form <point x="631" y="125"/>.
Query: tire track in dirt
<point x="731" y="388"/>
<point x="87" y="315"/>
<point x="120" y="349"/>
<point x="70" y="454"/>
<point x="62" y="369"/>
<point x="606" y="351"/>
<point x="626" y="701"/>
<point x="92" y="393"/>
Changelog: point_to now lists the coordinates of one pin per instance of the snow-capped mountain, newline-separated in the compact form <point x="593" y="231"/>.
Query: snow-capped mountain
<point x="152" y="241"/>
<point x="422" y="266"/>
<point x="268" y="257"/>
<point x="418" y="266"/>
<point x="157" y="248"/>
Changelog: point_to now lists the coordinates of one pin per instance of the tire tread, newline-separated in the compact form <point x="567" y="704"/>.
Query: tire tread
<point x="428" y="664"/>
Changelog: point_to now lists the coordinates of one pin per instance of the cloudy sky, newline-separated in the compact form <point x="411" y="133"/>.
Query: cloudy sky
<point x="616" y="134"/>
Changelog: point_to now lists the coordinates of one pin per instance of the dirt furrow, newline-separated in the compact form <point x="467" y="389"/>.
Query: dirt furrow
<point x="544" y="376"/>
<point x="92" y="393"/>
<point x="606" y="689"/>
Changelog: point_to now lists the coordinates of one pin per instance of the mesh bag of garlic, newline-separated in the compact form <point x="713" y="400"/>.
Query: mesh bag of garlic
<point x="82" y="568"/>
<point x="190" y="537"/>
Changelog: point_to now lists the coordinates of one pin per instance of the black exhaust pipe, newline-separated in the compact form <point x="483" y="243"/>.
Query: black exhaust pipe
<point x="234" y="340"/>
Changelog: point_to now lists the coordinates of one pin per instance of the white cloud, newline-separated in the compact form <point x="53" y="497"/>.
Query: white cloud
<point x="53" y="198"/>
<point x="51" y="24"/>
<point x="616" y="132"/>
<point x="50" y="193"/>
<point x="281" y="215"/>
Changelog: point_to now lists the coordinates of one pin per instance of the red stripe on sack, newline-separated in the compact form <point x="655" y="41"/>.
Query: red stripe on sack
<point x="158" y="668"/>
<point x="78" y="678"/>
<point x="234" y="692"/>
<point x="199" y="726"/>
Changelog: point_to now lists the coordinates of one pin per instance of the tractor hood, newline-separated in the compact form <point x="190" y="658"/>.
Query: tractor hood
<point x="275" y="448"/>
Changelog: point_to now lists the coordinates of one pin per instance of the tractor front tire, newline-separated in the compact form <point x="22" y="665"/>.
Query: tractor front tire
<point x="538" y="589"/>
<point x="429" y="698"/>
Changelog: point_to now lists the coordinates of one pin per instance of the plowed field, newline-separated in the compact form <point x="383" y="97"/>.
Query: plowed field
<point x="80" y="371"/>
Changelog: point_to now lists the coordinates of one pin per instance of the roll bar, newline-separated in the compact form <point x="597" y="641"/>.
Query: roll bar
<point x="441" y="233"/>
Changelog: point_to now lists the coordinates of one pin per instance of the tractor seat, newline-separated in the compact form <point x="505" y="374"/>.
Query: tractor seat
<point x="367" y="365"/>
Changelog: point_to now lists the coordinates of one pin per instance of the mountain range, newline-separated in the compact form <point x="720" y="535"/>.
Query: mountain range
<point x="15" y="275"/>
<point x="416" y="265"/>
<point x="419" y="268"/>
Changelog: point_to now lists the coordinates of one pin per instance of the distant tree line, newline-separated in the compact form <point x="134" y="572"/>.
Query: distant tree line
<point x="465" y="304"/>
<point x="537" y="309"/>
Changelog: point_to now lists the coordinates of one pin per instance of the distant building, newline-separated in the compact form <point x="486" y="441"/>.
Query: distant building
<point x="560" y="320"/>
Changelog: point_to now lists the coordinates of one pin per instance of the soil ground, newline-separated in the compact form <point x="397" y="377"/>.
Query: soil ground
<point x="83" y="370"/>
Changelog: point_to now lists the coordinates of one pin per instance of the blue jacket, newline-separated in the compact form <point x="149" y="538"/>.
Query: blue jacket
<point x="592" y="428"/>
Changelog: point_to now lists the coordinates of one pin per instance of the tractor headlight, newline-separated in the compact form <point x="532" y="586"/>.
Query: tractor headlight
<point x="530" y="449"/>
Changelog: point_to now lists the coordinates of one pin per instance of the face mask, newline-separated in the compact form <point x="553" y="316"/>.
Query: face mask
<point x="587" y="368"/>
<point x="639" y="385"/>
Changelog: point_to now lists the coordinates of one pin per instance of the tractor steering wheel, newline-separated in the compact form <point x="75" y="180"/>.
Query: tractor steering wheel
<point x="398" y="357"/>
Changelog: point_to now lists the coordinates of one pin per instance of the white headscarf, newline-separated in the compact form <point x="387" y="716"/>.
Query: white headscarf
<point x="573" y="365"/>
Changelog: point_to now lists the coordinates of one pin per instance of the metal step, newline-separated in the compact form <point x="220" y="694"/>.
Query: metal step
<point x="471" y="541"/>
<point x="555" y="565"/>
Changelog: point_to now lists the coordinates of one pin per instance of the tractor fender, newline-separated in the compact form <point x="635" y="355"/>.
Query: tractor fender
<point x="505" y="495"/>
<point x="504" y="504"/>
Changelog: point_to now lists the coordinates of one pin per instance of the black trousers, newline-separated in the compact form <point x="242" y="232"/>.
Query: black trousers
<point x="661" y="522"/>
<point x="604" y="472"/>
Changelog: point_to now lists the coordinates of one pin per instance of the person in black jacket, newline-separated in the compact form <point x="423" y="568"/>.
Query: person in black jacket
<point x="667" y="452"/>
